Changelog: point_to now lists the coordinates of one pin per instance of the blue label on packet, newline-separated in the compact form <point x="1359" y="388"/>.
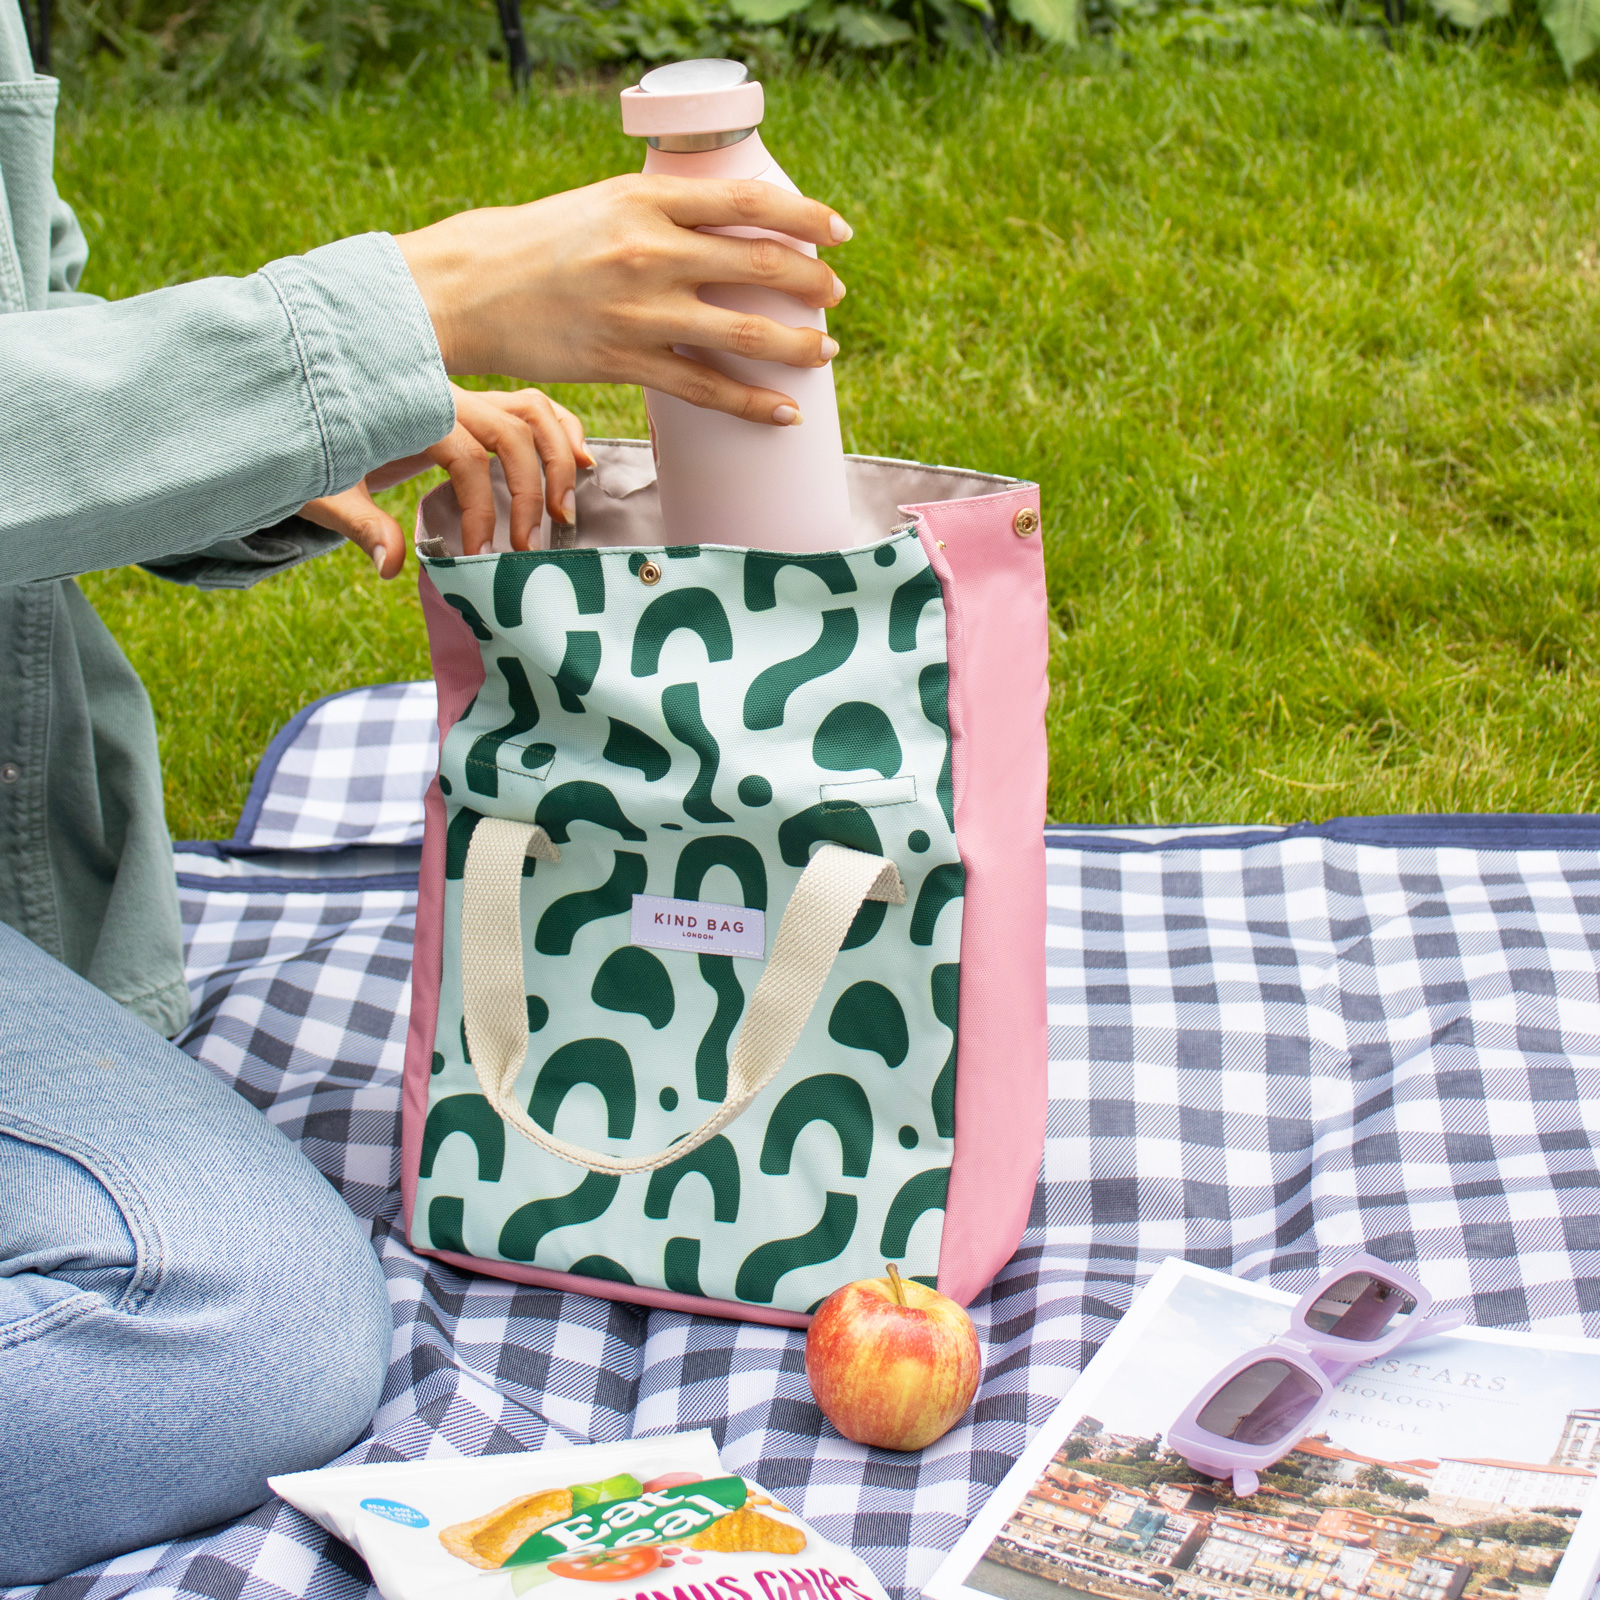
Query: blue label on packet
<point x="393" y="1511"/>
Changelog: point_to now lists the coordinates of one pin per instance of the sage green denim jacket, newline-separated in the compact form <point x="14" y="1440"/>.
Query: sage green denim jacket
<point x="179" y="430"/>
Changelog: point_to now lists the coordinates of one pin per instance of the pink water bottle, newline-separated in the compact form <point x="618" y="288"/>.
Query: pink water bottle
<point x="723" y="480"/>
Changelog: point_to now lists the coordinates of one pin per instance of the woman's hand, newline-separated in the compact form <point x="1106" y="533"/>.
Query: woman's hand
<point x="524" y="429"/>
<point x="597" y="285"/>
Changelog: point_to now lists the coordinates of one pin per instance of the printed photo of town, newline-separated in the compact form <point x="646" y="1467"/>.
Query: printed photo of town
<point x="1115" y="1514"/>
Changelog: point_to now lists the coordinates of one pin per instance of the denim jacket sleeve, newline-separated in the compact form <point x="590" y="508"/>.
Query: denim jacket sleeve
<point x="171" y="428"/>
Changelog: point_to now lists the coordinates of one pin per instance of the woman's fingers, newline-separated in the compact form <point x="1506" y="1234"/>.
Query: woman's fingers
<point x="748" y="203"/>
<point x="354" y="514"/>
<point x="508" y="437"/>
<point x="467" y="462"/>
<point x="768" y="263"/>
<point x="704" y="386"/>
<point x="572" y="426"/>
<point x="759" y="338"/>
<point x="535" y="412"/>
<point x="540" y="446"/>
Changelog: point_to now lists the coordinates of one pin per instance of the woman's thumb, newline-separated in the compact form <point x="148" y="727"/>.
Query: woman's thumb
<point x="356" y="516"/>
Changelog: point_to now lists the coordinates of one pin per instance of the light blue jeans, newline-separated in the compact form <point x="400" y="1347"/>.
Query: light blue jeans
<point x="185" y="1303"/>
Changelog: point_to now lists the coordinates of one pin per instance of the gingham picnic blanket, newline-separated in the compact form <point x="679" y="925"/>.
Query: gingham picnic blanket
<point x="1267" y="1046"/>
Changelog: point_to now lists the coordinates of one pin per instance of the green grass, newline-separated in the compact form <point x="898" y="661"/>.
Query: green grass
<point x="1303" y="347"/>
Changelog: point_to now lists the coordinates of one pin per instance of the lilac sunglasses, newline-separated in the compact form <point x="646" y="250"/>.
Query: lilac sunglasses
<point x="1258" y="1407"/>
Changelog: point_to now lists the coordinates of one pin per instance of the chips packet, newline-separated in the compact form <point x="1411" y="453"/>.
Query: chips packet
<point x="643" y="1519"/>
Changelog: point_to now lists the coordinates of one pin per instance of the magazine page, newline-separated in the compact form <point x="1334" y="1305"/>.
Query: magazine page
<point x="1461" y="1467"/>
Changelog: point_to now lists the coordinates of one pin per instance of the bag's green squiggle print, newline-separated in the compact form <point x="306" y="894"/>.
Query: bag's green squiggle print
<point x="457" y="839"/>
<point x="628" y="746"/>
<point x="562" y="919"/>
<point x="943" y="883"/>
<point x="601" y="1267"/>
<point x="483" y="774"/>
<point x="717" y="1162"/>
<point x="526" y="1226"/>
<point x="472" y="1115"/>
<point x="767" y="1263"/>
<point x="828" y="1097"/>
<point x="868" y="1017"/>
<point x="838" y="821"/>
<point x="905" y="609"/>
<point x="699" y="856"/>
<point x="933" y="689"/>
<point x="583" y="801"/>
<point x="447" y="1224"/>
<point x="842" y="822"/>
<point x="711" y="1058"/>
<point x="925" y="1192"/>
<point x="761" y="569"/>
<point x="513" y="572"/>
<point x="632" y="980"/>
<point x="680" y="709"/>
<point x="576" y="674"/>
<point x="945" y="983"/>
<point x="855" y="737"/>
<point x="602" y="1063"/>
<point x="767" y="698"/>
<point x="787" y="685"/>
<point x="698" y="610"/>
<point x="680" y="1267"/>
<point x="470" y="616"/>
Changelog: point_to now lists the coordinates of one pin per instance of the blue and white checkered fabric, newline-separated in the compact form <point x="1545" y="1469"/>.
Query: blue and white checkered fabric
<point x="350" y="768"/>
<point x="1266" y="1048"/>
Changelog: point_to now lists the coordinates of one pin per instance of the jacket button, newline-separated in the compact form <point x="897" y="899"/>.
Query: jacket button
<point x="10" y="772"/>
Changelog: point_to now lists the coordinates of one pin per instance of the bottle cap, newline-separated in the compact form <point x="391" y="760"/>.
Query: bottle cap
<point x="686" y="98"/>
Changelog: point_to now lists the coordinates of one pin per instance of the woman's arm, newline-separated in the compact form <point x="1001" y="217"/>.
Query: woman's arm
<point x="157" y="426"/>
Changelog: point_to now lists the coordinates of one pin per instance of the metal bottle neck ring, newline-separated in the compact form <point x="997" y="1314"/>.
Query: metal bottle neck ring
<point x="694" y="143"/>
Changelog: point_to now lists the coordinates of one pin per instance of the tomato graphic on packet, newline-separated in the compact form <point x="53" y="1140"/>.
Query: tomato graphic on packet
<point x="610" y="1566"/>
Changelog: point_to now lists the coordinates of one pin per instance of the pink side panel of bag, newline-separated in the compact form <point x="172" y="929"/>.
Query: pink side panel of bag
<point x="999" y="686"/>
<point x="458" y="673"/>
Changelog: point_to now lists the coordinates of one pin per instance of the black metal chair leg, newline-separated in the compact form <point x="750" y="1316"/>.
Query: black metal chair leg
<point x="516" y="43"/>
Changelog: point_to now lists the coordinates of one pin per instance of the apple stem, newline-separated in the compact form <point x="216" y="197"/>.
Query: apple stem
<point x="894" y="1285"/>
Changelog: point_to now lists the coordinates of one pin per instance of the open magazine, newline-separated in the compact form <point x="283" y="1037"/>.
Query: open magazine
<point x="1461" y="1467"/>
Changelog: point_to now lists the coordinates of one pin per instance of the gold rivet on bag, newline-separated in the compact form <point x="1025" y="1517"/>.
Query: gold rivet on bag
<point x="649" y="573"/>
<point x="1025" y="522"/>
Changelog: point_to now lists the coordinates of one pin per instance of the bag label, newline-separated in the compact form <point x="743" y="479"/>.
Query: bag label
<point x="700" y="925"/>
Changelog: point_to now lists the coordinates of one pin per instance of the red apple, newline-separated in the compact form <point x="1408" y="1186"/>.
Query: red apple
<point x="892" y="1362"/>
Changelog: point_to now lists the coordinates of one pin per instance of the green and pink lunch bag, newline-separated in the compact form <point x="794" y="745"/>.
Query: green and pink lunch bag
<point x="729" y="980"/>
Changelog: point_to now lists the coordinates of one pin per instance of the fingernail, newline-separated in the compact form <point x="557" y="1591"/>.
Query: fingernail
<point x="786" y="417"/>
<point x="830" y="348"/>
<point x="379" y="556"/>
<point x="569" y="508"/>
<point x="585" y="459"/>
<point x="838" y="291"/>
<point x="841" y="230"/>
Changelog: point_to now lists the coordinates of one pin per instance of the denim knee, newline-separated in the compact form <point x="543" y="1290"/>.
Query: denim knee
<point x="150" y="1422"/>
<point x="186" y="1305"/>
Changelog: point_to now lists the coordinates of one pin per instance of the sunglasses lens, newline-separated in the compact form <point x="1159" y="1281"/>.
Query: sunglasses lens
<point x="1359" y="1307"/>
<point x="1261" y="1405"/>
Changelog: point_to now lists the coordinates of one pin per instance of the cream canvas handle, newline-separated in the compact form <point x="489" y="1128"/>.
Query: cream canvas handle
<point x="494" y="1000"/>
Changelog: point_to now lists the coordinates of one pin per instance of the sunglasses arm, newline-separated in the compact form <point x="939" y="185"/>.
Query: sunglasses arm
<point x="1337" y="1371"/>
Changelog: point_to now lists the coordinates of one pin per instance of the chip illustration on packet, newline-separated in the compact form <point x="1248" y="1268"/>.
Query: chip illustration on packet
<point x="646" y="1519"/>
